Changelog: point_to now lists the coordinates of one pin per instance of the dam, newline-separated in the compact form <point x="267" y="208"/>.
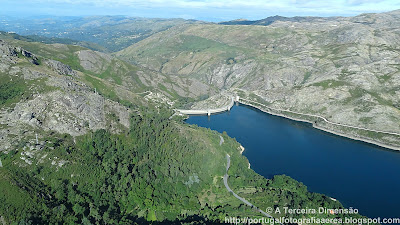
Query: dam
<point x="209" y="111"/>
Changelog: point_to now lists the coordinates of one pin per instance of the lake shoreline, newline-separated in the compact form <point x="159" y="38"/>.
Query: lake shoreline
<point x="320" y="159"/>
<point x="381" y="145"/>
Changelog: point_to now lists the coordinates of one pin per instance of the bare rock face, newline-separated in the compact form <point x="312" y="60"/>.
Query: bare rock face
<point x="93" y="61"/>
<point x="71" y="113"/>
<point x="60" y="68"/>
<point x="7" y="50"/>
<point x="31" y="74"/>
<point x="225" y="75"/>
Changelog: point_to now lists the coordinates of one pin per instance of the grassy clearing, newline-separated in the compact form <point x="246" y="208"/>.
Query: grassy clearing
<point x="307" y="75"/>
<point x="15" y="89"/>
<point x="330" y="84"/>
<point x="101" y="88"/>
<point x="12" y="91"/>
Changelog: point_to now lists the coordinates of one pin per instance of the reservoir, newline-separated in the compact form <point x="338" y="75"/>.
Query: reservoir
<point x="359" y="175"/>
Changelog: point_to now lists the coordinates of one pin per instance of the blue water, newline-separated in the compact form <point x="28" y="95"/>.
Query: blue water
<point x="359" y="175"/>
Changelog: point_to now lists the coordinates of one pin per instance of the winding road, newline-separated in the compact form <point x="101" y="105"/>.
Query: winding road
<point x="228" y="158"/>
<point x="221" y="141"/>
<point x="248" y="102"/>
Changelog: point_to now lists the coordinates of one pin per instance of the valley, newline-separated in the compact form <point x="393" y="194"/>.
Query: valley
<point x="90" y="132"/>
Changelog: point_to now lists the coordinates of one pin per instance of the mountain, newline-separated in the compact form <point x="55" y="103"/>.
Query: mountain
<point x="269" y="20"/>
<point x="82" y="144"/>
<point x="344" y="69"/>
<point x="125" y="76"/>
<point x="51" y="40"/>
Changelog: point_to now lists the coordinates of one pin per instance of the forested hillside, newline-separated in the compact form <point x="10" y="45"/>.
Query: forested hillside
<point x="159" y="170"/>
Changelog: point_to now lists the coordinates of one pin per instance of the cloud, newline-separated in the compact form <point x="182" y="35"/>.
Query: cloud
<point x="227" y="9"/>
<point x="347" y="5"/>
<point x="363" y="2"/>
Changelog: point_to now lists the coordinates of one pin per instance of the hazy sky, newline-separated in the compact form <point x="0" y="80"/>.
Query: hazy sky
<point x="214" y="10"/>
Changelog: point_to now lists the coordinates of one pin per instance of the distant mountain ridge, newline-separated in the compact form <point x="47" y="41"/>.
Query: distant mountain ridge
<point x="114" y="33"/>
<point x="310" y="19"/>
<point x="269" y="20"/>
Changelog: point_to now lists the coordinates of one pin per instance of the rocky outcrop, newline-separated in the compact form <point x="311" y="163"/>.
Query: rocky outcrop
<point x="7" y="50"/>
<point x="11" y="51"/>
<point x="59" y="67"/>
<point x="72" y="113"/>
